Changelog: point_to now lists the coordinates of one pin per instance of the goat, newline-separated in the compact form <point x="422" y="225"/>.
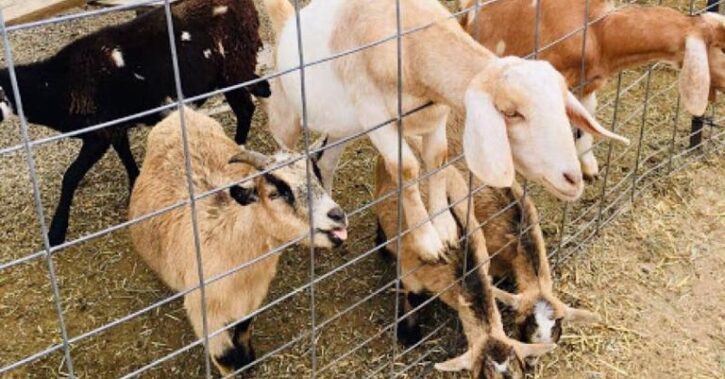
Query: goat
<point x="490" y="353"/>
<point x="516" y="109"/>
<point x="515" y="239"/>
<point x="235" y="226"/>
<point x="618" y="38"/>
<point x="126" y="69"/>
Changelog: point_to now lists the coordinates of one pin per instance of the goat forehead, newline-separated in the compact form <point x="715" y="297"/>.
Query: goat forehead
<point x="544" y="316"/>
<point x="537" y="82"/>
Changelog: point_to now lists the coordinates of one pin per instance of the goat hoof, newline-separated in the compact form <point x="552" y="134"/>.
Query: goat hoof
<point x="447" y="229"/>
<point x="409" y="335"/>
<point x="430" y="247"/>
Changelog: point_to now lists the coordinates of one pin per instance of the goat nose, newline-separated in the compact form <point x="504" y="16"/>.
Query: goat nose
<point x="572" y="179"/>
<point x="337" y="215"/>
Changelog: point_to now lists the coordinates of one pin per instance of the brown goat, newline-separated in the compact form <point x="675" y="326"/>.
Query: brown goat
<point x="618" y="38"/>
<point x="490" y="354"/>
<point x="237" y="226"/>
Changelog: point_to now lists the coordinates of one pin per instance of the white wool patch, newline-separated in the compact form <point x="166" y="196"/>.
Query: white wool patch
<point x="221" y="48"/>
<point x="219" y="10"/>
<point x="207" y="53"/>
<point x="185" y="36"/>
<point x="544" y="316"/>
<point x="501" y="367"/>
<point x="139" y="77"/>
<point x="500" y="48"/>
<point x="117" y="57"/>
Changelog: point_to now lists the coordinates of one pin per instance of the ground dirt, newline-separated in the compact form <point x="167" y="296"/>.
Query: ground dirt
<point x="654" y="273"/>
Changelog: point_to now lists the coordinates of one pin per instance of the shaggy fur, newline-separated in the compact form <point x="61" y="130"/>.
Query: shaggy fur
<point x="235" y="226"/>
<point x="126" y="69"/>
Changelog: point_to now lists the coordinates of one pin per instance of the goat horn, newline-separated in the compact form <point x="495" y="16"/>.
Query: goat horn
<point x="252" y="158"/>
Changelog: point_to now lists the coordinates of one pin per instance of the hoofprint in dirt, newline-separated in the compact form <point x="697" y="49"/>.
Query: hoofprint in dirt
<point x="103" y="280"/>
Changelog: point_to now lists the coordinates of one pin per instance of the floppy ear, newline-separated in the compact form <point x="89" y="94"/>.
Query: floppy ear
<point x="485" y="141"/>
<point x="531" y="350"/>
<point x="694" y="80"/>
<point x="580" y="316"/>
<point x="583" y="120"/>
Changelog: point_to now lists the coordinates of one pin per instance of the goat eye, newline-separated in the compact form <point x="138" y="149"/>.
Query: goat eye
<point x="513" y="115"/>
<point x="274" y="195"/>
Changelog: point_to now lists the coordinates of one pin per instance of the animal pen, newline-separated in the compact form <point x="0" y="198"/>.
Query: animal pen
<point x="88" y="307"/>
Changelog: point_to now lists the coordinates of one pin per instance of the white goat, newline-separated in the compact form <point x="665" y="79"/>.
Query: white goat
<point x="236" y="226"/>
<point x="516" y="109"/>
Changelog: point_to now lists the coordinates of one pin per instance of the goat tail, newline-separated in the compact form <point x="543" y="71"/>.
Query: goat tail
<point x="279" y="12"/>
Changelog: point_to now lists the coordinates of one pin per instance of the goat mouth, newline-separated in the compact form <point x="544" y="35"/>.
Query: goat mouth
<point x="336" y="235"/>
<point x="562" y="195"/>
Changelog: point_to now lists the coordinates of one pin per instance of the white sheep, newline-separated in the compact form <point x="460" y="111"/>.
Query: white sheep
<point x="235" y="226"/>
<point x="516" y="109"/>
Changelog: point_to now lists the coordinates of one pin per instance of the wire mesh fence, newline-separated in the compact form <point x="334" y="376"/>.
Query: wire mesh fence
<point x="89" y="307"/>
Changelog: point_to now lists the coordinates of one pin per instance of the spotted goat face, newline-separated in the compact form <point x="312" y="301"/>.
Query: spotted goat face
<point x="286" y="199"/>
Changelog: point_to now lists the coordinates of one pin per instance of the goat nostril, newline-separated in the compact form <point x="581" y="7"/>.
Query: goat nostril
<point x="336" y="214"/>
<point x="572" y="179"/>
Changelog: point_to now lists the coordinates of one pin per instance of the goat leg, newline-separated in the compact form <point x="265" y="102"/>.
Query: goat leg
<point x="91" y="151"/>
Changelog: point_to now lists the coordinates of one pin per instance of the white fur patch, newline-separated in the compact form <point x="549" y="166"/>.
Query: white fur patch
<point x="185" y="36"/>
<point x="544" y="316"/>
<point x="219" y="10"/>
<point x="139" y="77"/>
<point x="221" y="48"/>
<point x="500" y="48"/>
<point x="207" y="53"/>
<point x="6" y="110"/>
<point x="117" y="57"/>
<point x="501" y="367"/>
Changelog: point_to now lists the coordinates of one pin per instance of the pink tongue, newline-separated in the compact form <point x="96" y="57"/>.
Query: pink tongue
<point x="340" y="233"/>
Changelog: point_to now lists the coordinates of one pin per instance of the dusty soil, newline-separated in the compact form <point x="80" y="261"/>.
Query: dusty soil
<point x="655" y="275"/>
<point x="658" y="248"/>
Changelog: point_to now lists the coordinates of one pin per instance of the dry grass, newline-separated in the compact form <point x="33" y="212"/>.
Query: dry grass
<point x="102" y="280"/>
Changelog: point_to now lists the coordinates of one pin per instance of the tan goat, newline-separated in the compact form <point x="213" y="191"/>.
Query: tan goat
<point x="490" y="354"/>
<point x="620" y="38"/>
<point x="517" y="111"/>
<point x="235" y="226"/>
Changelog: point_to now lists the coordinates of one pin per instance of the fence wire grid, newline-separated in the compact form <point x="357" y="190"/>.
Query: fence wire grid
<point x="89" y="307"/>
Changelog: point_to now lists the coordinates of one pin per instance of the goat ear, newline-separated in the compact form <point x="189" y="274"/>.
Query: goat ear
<point x="583" y="120"/>
<point x="459" y="363"/>
<point x="694" y="79"/>
<point x="580" y="316"/>
<point x="244" y="196"/>
<point x="510" y="299"/>
<point x="485" y="141"/>
<point x="531" y="350"/>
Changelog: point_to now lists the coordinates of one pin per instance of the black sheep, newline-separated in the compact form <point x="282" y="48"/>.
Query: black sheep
<point x="125" y="69"/>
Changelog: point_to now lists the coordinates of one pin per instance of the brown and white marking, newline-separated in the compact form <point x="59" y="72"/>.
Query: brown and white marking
<point x="517" y="111"/>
